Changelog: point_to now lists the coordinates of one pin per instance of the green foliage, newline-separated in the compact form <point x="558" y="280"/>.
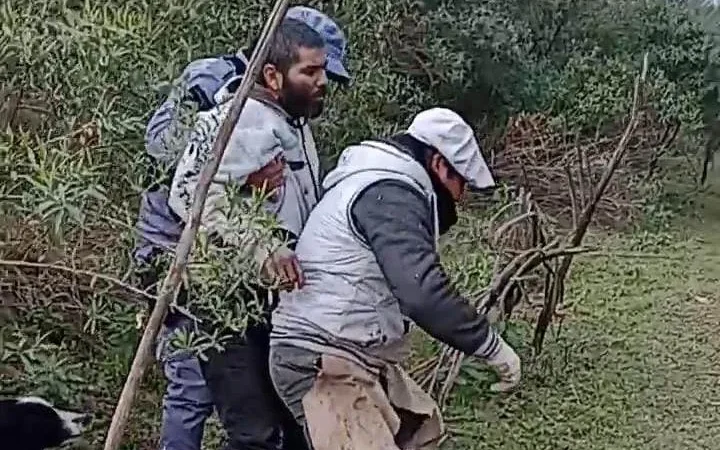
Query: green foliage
<point x="89" y="73"/>
<point x="71" y="177"/>
<point x="225" y="286"/>
<point x="614" y="38"/>
<point x="465" y="258"/>
<point x="708" y="16"/>
<point x="51" y="182"/>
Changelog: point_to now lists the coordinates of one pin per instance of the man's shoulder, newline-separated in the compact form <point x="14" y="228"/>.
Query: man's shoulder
<point x="257" y="137"/>
<point x="263" y="123"/>
<point x="258" y="108"/>
<point x="254" y="114"/>
<point x="255" y="121"/>
<point x="257" y="114"/>
<point x="387" y="198"/>
<point x="398" y="192"/>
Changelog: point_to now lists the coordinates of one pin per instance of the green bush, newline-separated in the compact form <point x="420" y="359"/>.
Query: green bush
<point x="89" y="73"/>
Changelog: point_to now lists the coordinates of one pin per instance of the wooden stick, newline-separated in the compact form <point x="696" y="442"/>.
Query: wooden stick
<point x="578" y="234"/>
<point x="172" y="282"/>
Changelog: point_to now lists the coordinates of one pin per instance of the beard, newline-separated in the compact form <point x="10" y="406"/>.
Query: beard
<point x="446" y="205"/>
<point x="299" y="103"/>
<point x="316" y="108"/>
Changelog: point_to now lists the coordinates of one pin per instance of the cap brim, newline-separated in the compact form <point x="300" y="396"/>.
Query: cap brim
<point x="484" y="181"/>
<point x="337" y="70"/>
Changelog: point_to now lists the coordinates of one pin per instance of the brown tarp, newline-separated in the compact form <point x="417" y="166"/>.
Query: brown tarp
<point x="353" y="407"/>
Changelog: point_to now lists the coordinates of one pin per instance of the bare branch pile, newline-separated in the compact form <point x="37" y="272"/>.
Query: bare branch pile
<point x="562" y="169"/>
<point x="554" y="177"/>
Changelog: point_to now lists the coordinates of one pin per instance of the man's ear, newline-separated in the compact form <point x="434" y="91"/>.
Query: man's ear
<point x="437" y="164"/>
<point x="272" y="77"/>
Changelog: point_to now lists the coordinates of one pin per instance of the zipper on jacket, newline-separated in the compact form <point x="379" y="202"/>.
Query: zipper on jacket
<point x="310" y="167"/>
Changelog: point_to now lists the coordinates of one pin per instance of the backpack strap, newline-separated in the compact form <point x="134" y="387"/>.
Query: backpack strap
<point x="238" y="63"/>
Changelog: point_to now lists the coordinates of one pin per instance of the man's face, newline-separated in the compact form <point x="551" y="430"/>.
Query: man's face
<point x="449" y="188"/>
<point x="303" y="91"/>
<point x="448" y="177"/>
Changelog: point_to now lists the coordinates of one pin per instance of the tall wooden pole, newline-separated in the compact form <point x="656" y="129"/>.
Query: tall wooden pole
<point x="143" y="354"/>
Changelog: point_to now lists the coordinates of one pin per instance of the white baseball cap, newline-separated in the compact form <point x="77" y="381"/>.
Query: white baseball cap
<point x="454" y="139"/>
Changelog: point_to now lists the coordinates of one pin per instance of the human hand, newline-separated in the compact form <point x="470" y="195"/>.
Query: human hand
<point x="269" y="178"/>
<point x="506" y="364"/>
<point x="283" y="267"/>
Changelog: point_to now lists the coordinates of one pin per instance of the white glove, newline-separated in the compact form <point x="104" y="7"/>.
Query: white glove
<point x="506" y="364"/>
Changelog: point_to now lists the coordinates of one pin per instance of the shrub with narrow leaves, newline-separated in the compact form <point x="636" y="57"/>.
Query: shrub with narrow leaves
<point x="79" y="80"/>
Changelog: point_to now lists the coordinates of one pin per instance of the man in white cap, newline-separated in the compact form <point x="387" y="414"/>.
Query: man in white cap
<point x="371" y="265"/>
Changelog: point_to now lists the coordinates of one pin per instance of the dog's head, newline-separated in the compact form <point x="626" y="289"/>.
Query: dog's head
<point x="41" y="425"/>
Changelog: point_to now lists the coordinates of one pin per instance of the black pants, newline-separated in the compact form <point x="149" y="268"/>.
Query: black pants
<point x="252" y="414"/>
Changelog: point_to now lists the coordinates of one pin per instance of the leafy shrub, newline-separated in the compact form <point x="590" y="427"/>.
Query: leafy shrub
<point x="79" y="79"/>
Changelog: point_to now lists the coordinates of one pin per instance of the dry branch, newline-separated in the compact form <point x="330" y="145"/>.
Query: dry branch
<point x="172" y="281"/>
<point x="72" y="270"/>
<point x="558" y="288"/>
<point x="540" y="156"/>
<point x="520" y="230"/>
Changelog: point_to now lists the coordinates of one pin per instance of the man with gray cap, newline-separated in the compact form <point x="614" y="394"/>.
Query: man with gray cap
<point x="187" y="402"/>
<point x="371" y="265"/>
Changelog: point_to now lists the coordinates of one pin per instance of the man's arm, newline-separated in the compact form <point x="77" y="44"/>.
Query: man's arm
<point x="253" y="157"/>
<point x="396" y="222"/>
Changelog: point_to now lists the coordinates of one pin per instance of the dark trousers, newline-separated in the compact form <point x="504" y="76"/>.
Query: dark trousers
<point x="252" y="414"/>
<point x="239" y="384"/>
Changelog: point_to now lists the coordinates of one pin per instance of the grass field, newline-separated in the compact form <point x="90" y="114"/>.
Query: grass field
<point x="635" y="364"/>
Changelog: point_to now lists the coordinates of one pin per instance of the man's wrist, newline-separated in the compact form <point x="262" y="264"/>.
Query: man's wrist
<point x="490" y="347"/>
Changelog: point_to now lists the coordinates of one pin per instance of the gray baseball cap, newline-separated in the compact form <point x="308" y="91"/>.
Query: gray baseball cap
<point x="335" y="42"/>
<point x="455" y="140"/>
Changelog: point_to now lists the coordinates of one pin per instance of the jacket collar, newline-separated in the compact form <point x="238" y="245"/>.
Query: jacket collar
<point x="260" y="94"/>
<point x="264" y="96"/>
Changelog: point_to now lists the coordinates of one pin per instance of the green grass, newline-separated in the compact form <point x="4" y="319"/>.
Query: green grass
<point x="633" y="366"/>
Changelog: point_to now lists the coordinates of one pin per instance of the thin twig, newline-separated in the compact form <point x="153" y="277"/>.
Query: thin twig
<point x="457" y="359"/>
<point x="504" y="227"/>
<point x="582" y="181"/>
<point x="57" y="267"/>
<point x="573" y="196"/>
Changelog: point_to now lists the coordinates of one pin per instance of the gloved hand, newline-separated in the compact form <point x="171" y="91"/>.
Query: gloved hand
<point x="506" y="364"/>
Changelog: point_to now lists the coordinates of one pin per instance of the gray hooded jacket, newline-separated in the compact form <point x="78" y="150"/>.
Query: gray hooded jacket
<point x="263" y="131"/>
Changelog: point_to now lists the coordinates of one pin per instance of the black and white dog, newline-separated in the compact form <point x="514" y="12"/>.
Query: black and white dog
<point x="32" y="423"/>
